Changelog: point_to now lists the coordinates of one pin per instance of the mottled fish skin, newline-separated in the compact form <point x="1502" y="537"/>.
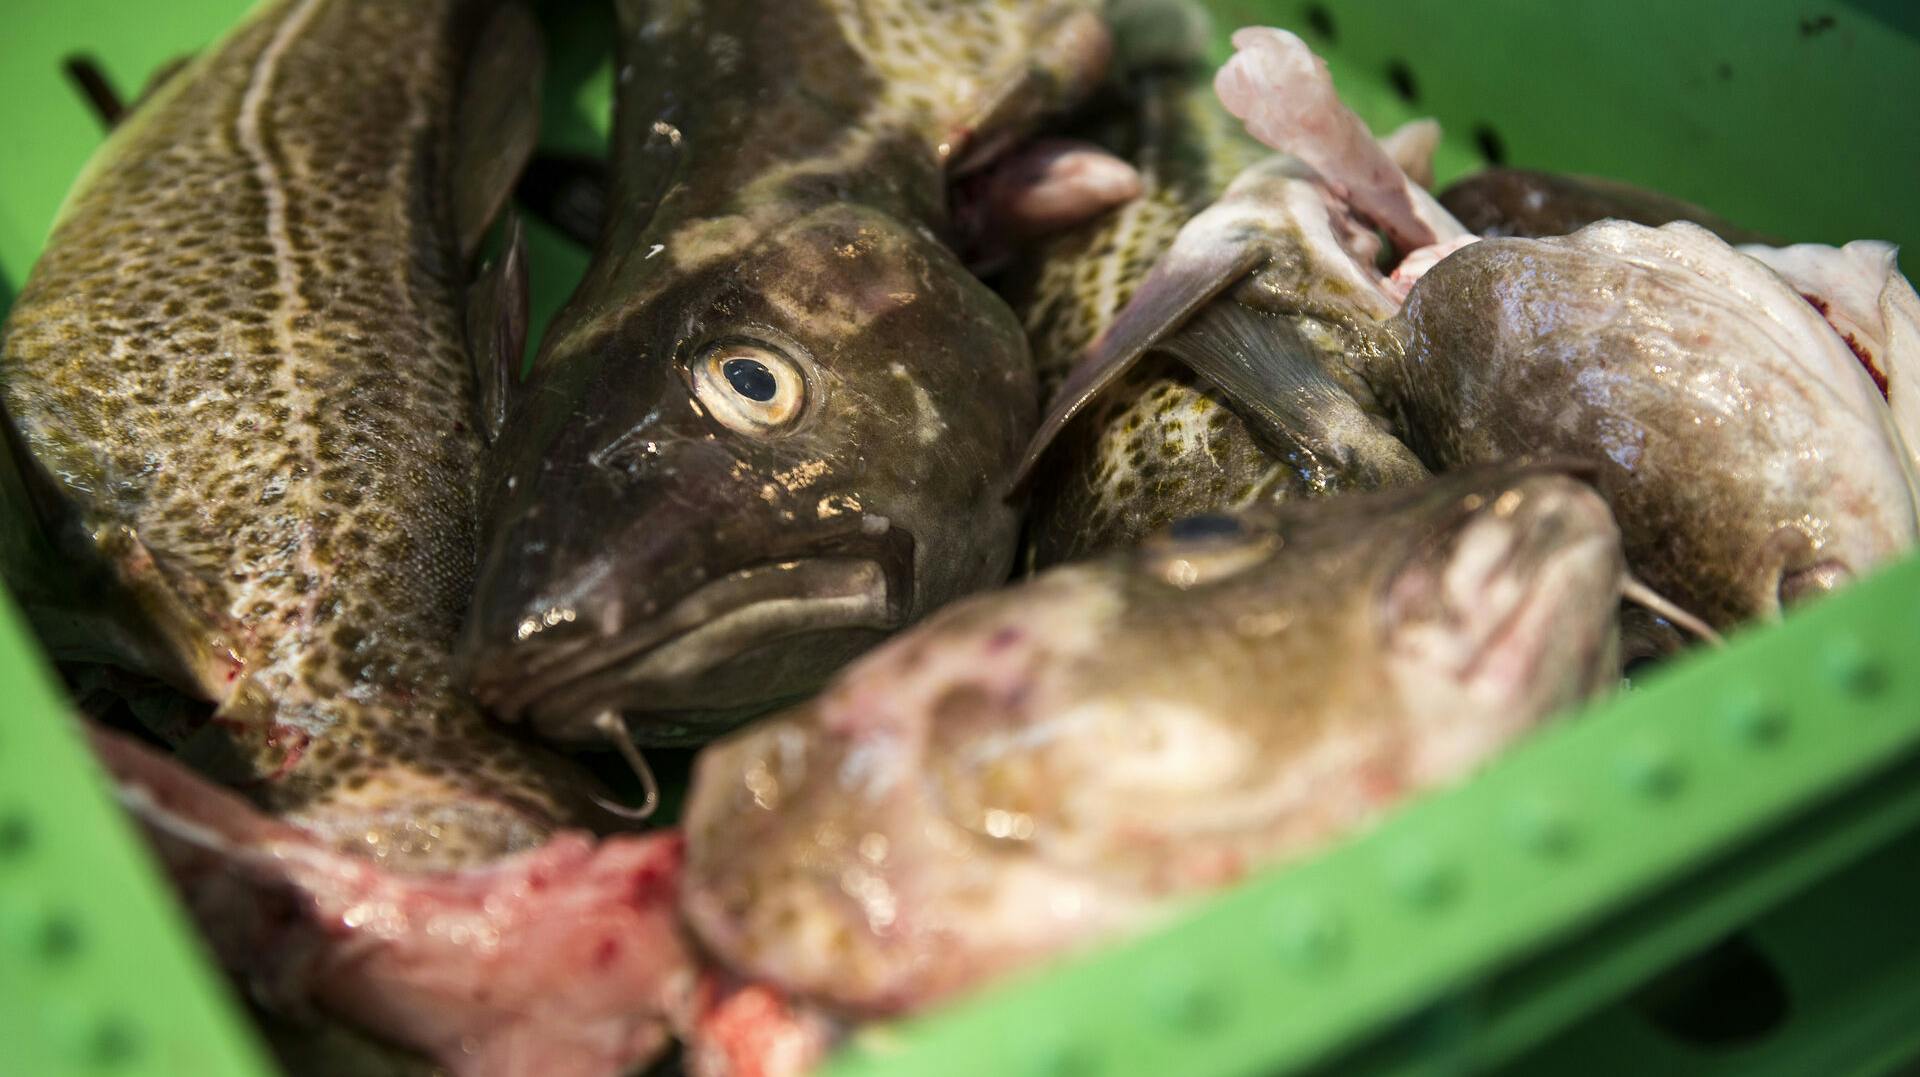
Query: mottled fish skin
<point x="1052" y="764"/>
<point x="1163" y="443"/>
<point x="1529" y="204"/>
<point x="663" y="544"/>
<point x="241" y="361"/>
<point x="1748" y="455"/>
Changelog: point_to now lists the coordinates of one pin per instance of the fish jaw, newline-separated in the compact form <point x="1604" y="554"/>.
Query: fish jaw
<point x="629" y="612"/>
<point x="715" y="656"/>
<point x="565" y="959"/>
<point x="856" y="893"/>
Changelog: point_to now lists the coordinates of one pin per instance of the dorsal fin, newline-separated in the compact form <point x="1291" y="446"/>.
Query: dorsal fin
<point x="498" y="120"/>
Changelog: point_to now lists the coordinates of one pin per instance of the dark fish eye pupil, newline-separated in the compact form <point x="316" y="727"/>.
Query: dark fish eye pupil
<point x="1209" y="525"/>
<point x="750" y="378"/>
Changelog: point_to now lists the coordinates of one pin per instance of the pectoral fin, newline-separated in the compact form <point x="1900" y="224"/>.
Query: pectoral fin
<point x="498" y="121"/>
<point x="497" y="316"/>
<point x="1277" y="381"/>
<point x="36" y="501"/>
<point x="1200" y="266"/>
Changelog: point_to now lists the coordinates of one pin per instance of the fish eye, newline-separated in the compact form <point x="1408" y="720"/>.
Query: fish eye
<point x="749" y="388"/>
<point x="1211" y="546"/>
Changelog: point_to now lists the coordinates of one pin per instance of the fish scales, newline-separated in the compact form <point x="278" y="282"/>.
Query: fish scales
<point x="779" y="416"/>
<point x="1163" y="442"/>
<point x="241" y="353"/>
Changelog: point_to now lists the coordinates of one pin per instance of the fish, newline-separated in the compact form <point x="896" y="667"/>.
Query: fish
<point x="240" y="450"/>
<point x="1532" y="204"/>
<point x="1164" y="444"/>
<point x="1038" y="769"/>
<point x="1150" y="318"/>
<point x="777" y="419"/>
<point x="240" y="419"/>
<point x="1750" y="458"/>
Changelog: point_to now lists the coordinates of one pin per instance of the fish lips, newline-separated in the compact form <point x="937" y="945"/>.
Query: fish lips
<point x="733" y="646"/>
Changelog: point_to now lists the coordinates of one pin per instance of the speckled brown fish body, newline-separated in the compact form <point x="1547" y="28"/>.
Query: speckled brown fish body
<point x="241" y="376"/>
<point x="777" y="419"/>
<point x="1163" y="443"/>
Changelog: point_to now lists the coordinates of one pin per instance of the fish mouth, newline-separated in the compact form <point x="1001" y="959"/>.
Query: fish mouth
<point x="561" y="687"/>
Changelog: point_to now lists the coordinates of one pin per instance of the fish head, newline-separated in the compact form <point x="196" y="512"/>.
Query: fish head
<point x="1280" y="672"/>
<point x="1745" y="450"/>
<point x="1040" y="767"/>
<point x="708" y="505"/>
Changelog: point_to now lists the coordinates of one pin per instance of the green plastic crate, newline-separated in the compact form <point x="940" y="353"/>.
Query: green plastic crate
<point x="1772" y="790"/>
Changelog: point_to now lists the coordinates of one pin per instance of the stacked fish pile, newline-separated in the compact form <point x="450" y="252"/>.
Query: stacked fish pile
<point x="1321" y="491"/>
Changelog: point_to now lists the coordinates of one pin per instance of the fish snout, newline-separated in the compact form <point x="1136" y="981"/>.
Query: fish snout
<point x="1517" y="600"/>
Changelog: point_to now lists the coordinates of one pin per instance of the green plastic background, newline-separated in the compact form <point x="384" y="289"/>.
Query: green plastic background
<point x="1773" y="788"/>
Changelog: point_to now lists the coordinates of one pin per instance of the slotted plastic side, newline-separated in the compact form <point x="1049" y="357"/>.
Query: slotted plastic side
<point x="1771" y="791"/>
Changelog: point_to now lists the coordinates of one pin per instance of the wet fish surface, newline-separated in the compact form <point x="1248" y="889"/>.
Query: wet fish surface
<point x="1744" y="435"/>
<point x="242" y="452"/>
<point x="241" y="423"/>
<point x="777" y="419"/>
<point x="1750" y="458"/>
<point x="1235" y="260"/>
<point x="1163" y="444"/>
<point x="1052" y="764"/>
